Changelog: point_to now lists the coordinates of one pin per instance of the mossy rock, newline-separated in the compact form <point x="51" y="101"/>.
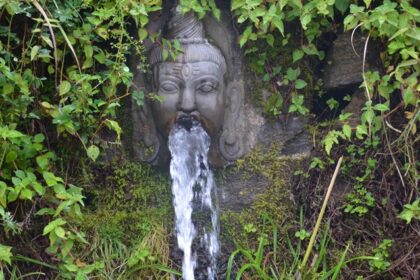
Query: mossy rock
<point x="265" y="183"/>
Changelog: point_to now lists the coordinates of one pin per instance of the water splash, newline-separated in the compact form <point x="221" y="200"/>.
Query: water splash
<point x="193" y="189"/>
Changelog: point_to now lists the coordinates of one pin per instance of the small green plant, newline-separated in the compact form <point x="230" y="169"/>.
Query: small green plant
<point x="411" y="211"/>
<point x="381" y="263"/>
<point x="302" y="234"/>
<point x="316" y="162"/>
<point x="359" y="201"/>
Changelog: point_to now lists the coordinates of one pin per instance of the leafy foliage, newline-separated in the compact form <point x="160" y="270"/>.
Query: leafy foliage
<point x="411" y="211"/>
<point x="53" y="94"/>
<point x="63" y="73"/>
<point x="381" y="140"/>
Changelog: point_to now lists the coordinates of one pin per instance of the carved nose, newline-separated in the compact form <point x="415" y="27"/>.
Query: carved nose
<point x="187" y="101"/>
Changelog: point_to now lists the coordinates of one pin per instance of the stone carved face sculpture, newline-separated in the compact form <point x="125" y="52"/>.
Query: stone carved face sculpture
<point x="193" y="86"/>
<point x="189" y="90"/>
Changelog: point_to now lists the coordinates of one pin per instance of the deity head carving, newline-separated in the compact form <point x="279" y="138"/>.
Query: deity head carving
<point x="194" y="87"/>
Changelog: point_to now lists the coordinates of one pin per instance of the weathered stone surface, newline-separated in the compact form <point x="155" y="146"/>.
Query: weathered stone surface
<point x="344" y="65"/>
<point x="202" y="83"/>
<point x="288" y="136"/>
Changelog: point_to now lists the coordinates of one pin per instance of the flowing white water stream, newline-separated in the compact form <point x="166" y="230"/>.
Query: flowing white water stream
<point x="193" y="189"/>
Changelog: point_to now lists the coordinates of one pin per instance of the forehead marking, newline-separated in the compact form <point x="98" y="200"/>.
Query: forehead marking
<point x="185" y="71"/>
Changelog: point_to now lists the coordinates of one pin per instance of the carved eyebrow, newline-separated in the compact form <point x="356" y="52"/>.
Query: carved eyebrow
<point x="176" y="70"/>
<point x="172" y="78"/>
<point x="206" y="78"/>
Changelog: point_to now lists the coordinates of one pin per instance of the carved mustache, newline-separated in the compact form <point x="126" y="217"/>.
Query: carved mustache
<point x="192" y="118"/>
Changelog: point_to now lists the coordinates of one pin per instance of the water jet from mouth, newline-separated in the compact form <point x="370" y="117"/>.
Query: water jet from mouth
<point x="194" y="194"/>
<point x="187" y="122"/>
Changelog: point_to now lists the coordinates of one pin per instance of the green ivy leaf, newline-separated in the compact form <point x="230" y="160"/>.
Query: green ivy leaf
<point x="367" y="3"/>
<point x="45" y="211"/>
<point x="12" y="196"/>
<point x="278" y="23"/>
<point x="165" y="54"/>
<point x="49" y="178"/>
<point x="410" y="211"/>
<point x="381" y="107"/>
<point x="5" y="254"/>
<point x="300" y="84"/>
<point x="345" y="116"/>
<point x="114" y="126"/>
<point x="52" y="225"/>
<point x="297" y="55"/>
<point x="270" y="40"/>
<point x="100" y="57"/>
<point x="347" y="131"/>
<point x="64" y="88"/>
<point x="350" y="22"/>
<point x="39" y="138"/>
<point x="409" y="97"/>
<point x="237" y="4"/>
<point x="34" y="51"/>
<point x="305" y="20"/>
<point x="38" y="188"/>
<point x="42" y="161"/>
<point x="88" y="51"/>
<point x="245" y="36"/>
<point x="361" y="130"/>
<point x="342" y="5"/>
<point x="11" y="156"/>
<point x="93" y="152"/>
<point x="3" y="197"/>
<point x="138" y="96"/>
<point x="60" y="232"/>
<point x="291" y="74"/>
<point x="142" y="33"/>
<point x="68" y="245"/>
<point x="26" y="194"/>
<point x="332" y="103"/>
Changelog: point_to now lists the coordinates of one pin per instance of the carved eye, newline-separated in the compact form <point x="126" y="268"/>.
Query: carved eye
<point x="169" y="87"/>
<point x="207" y="87"/>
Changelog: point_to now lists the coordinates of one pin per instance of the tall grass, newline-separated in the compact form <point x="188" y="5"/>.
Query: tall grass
<point x="257" y="262"/>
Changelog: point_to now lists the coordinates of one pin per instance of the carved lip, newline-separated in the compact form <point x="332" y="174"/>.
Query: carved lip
<point x="187" y="120"/>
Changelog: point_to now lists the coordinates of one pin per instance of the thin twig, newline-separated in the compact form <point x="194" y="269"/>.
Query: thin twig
<point x="364" y="79"/>
<point x="320" y="216"/>
<point x="392" y="155"/>
<point x="363" y="67"/>
<point x="47" y="20"/>
<point x="351" y="38"/>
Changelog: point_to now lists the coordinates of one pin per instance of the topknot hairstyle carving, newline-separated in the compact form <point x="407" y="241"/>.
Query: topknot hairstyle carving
<point x="189" y="31"/>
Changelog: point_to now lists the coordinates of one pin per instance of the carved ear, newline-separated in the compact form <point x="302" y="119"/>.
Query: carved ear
<point x="232" y="140"/>
<point x="146" y="143"/>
